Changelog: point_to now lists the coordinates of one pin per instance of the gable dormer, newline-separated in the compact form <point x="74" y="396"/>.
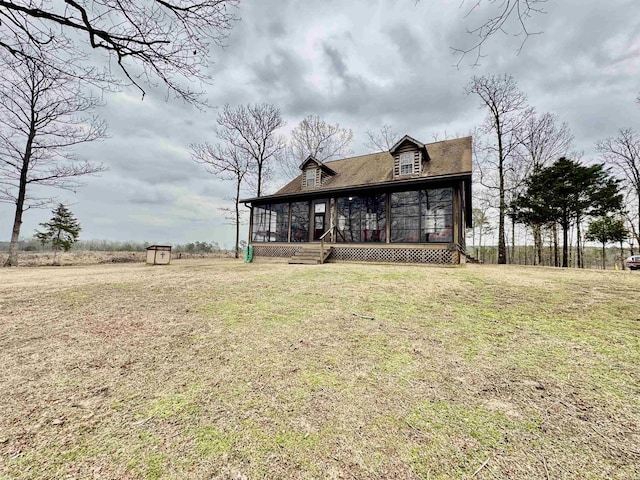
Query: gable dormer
<point x="314" y="173"/>
<point x="409" y="156"/>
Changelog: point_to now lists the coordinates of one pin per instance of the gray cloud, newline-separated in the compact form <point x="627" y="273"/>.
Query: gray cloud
<point x="359" y="63"/>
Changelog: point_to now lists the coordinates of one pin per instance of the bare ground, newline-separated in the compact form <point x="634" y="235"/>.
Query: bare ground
<point x="217" y="369"/>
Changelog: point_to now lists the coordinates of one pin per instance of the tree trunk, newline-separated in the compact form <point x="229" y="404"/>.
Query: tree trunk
<point x="473" y="239"/>
<point x="621" y="255"/>
<point x="502" y="248"/>
<point x="556" y="258"/>
<point x="12" y="260"/>
<point x="579" y="245"/>
<point x="513" y="240"/>
<point x="55" y="247"/>
<point x="603" y="256"/>
<point x="259" y="178"/>
<point x="238" y="217"/>
<point x="565" y="244"/>
<point x="537" y="241"/>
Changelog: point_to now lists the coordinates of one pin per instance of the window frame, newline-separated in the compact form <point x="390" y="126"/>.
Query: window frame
<point x="310" y="174"/>
<point x="409" y="163"/>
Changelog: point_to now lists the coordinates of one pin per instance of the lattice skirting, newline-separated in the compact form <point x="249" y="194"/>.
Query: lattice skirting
<point x="378" y="255"/>
<point x="394" y="255"/>
<point x="275" y="250"/>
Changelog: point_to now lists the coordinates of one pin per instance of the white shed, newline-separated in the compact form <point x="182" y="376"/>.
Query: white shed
<point x="158" y="254"/>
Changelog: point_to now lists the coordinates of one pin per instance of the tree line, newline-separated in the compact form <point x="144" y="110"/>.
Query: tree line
<point x="528" y="171"/>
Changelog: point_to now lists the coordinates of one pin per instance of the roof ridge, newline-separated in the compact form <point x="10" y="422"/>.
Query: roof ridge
<point x="449" y="140"/>
<point x="357" y="156"/>
<point x="387" y="151"/>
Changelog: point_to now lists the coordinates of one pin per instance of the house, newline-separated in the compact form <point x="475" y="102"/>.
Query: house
<point x="409" y="204"/>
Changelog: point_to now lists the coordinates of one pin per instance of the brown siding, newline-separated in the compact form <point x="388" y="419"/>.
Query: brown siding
<point x="417" y="159"/>
<point x="417" y="163"/>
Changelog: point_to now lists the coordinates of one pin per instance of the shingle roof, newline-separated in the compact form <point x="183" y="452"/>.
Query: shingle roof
<point x="448" y="157"/>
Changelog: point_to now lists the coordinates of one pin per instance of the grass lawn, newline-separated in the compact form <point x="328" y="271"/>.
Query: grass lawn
<point x="218" y="369"/>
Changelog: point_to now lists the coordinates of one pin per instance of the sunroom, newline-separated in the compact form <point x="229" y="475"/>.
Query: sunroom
<point x="372" y="207"/>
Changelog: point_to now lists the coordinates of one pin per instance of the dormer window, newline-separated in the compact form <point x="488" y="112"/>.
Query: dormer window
<point x="406" y="163"/>
<point x="310" y="176"/>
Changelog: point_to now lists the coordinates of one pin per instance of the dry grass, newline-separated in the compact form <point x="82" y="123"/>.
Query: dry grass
<point x="217" y="369"/>
<point x="92" y="257"/>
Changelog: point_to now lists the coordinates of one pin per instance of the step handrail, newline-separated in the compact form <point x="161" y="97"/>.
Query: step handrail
<point x="322" y="243"/>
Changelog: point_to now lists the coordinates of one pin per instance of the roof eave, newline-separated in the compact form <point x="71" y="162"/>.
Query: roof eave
<point x="364" y="187"/>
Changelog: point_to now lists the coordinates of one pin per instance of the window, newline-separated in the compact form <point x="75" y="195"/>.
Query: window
<point x="437" y="215"/>
<point x="362" y="219"/>
<point x="310" y="175"/>
<point x="271" y="223"/>
<point x="300" y="222"/>
<point x="406" y="163"/>
<point x="424" y="216"/>
<point x="405" y="217"/>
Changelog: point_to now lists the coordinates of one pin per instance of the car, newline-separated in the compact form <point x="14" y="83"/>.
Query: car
<point x="633" y="262"/>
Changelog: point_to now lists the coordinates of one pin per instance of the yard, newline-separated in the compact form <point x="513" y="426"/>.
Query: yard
<point x="213" y="368"/>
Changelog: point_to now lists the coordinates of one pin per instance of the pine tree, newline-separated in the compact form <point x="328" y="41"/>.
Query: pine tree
<point x="62" y="231"/>
<point x="567" y="192"/>
<point x="607" y="230"/>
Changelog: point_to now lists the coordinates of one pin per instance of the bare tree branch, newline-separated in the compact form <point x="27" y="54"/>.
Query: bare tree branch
<point x="230" y="163"/>
<point x="382" y="140"/>
<point x="43" y="114"/>
<point x="507" y="115"/>
<point x="251" y="129"/>
<point x="507" y="17"/>
<point x="623" y="154"/>
<point x="314" y="136"/>
<point x="151" y="41"/>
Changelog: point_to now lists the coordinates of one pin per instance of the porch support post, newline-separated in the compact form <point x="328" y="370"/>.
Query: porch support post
<point x="388" y="209"/>
<point x="250" y="239"/>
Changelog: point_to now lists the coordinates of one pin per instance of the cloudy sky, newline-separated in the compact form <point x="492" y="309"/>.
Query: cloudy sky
<point x="361" y="63"/>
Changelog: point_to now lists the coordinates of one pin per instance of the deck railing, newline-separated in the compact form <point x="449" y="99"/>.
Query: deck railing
<point x="322" y="243"/>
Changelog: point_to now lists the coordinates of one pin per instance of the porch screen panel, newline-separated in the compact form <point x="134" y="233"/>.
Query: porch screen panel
<point x="424" y="216"/>
<point x="361" y="219"/>
<point x="261" y="221"/>
<point x="405" y="217"/>
<point x="437" y="215"/>
<point x="271" y="223"/>
<point x="300" y="222"/>
<point x="281" y="221"/>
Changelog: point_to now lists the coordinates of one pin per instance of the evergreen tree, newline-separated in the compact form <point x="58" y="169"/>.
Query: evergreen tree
<point x="568" y="192"/>
<point x="61" y="231"/>
<point x="607" y="230"/>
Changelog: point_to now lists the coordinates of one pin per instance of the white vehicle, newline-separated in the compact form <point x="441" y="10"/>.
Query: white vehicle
<point x="633" y="263"/>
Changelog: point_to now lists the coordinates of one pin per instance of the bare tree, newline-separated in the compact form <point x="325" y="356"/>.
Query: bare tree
<point x="314" y="136"/>
<point x="508" y="113"/>
<point x="382" y="140"/>
<point x="251" y="130"/>
<point x="43" y="115"/>
<point x="166" y="41"/>
<point x="230" y="163"/>
<point x="623" y="153"/>
<point x="542" y="140"/>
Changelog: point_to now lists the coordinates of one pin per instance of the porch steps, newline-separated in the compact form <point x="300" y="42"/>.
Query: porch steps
<point x="472" y="259"/>
<point x="310" y="255"/>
